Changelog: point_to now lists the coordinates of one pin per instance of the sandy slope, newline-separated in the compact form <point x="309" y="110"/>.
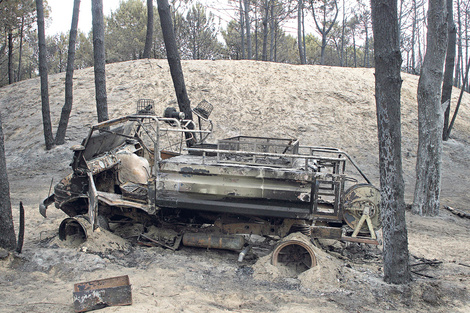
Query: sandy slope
<point x="319" y="105"/>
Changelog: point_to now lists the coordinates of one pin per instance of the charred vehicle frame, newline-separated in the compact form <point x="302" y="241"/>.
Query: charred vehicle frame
<point x="138" y="168"/>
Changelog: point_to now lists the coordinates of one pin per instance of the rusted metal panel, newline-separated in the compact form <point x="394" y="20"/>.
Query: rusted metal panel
<point x="326" y="232"/>
<point x="216" y="241"/>
<point x="101" y="293"/>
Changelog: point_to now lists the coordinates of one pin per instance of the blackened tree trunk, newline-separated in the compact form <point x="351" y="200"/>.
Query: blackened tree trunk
<point x="100" y="60"/>
<point x="343" y="28"/>
<point x="11" y="78"/>
<point x="264" y="55"/>
<point x="366" y="47"/>
<point x="149" y="36"/>
<point x="20" y="54"/>
<point x="249" y="52"/>
<point x="272" y="30"/>
<point x="46" y="115"/>
<point x="459" y="101"/>
<point x="175" y="64"/>
<point x="7" y="231"/>
<point x="449" y="67"/>
<point x="300" y="8"/>
<point x="430" y="114"/>
<point x="67" y="108"/>
<point x="387" y="95"/>
<point x="242" y="30"/>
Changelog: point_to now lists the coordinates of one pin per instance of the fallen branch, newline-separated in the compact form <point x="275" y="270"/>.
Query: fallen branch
<point x="427" y="263"/>
<point x="457" y="212"/>
<point x="421" y="274"/>
<point x="19" y="244"/>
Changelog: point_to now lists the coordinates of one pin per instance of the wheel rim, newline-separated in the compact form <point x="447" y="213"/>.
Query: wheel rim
<point x="294" y="256"/>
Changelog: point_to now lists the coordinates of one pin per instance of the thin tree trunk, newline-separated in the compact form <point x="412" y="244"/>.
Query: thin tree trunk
<point x="7" y="231"/>
<point x="355" y="51"/>
<point x="20" y="54"/>
<point x="174" y="62"/>
<point x="264" y="55"/>
<point x="366" y="48"/>
<point x="248" y="30"/>
<point x="100" y="60"/>
<point x="271" y="30"/>
<point x="46" y="115"/>
<point x="256" y="33"/>
<point x="67" y="108"/>
<point x="451" y="125"/>
<point x="458" y="73"/>
<point x="430" y="114"/>
<point x="342" y="34"/>
<point x="299" y="30"/>
<point x="467" y="13"/>
<point x="449" y="67"/>
<point x="413" y="38"/>
<point x="149" y="36"/>
<point x="11" y="77"/>
<point x="276" y="28"/>
<point x="303" y="38"/>
<point x="242" y="29"/>
<point x="387" y="93"/>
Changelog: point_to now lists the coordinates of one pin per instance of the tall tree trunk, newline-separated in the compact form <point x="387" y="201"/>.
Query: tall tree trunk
<point x="355" y="51"/>
<point x="256" y="34"/>
<point x="303" y="38"/>
<point x="466" y="43"/>
<point x="20" y="54"/>
<point x="299" y="30"/>
<point x="272" y="31"/>
<point x="342" y="34"/>
<point x="242" y="29"/>
<point x="276" y="30"/>
<point x="430" y="114"/>
<point x="67" y="108"/>
<point x="264" y="55"/>
<point x="149" y="36"/>
<point x="413" y="38"/>
<point x="7" y="231"/>
<point x="175" y="64"/>
<point x="449" y="67"/>
<point x="11" y="77"/>
<point x="366" y="49"/>
<point x="458" y="72"/>
<point x="387" y="95"/>
<point x="100" y="60"/>
<point x="248" y="30"/>
<point x="46" y="115"/>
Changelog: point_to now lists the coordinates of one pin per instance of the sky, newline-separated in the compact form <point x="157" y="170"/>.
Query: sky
<point x="61" y="15"/>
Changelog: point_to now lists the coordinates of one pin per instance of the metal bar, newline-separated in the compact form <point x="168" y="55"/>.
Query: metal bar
<point x="92" y="201"/>
<point x="298" y="156"/>
<point x="361" y="240"/>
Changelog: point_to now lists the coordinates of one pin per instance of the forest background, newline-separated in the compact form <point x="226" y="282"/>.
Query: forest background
<point x="328" y="32"/>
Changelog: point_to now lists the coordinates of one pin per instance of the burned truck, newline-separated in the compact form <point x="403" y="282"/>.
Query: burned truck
<point x="139" y="168"/>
